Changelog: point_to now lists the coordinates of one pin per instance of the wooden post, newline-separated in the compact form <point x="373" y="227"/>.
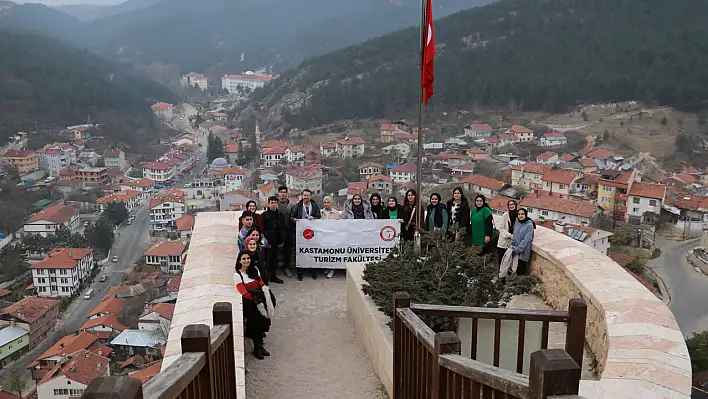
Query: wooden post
<point x="446" y="342"/>
<point x="223" y="315"/>
<point x="121" y="387"/>
<point x="553" y="372"/>
<point x="575" y="333"/>
<point x="196" y="338"/>
<point x="401" y="299"/>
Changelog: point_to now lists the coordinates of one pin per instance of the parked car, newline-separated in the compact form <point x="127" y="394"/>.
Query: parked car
<point x="115" y="259"/>
<point x="104" y="278"/>
<point x="159" y="228"/>
<point x="129" y="222"/>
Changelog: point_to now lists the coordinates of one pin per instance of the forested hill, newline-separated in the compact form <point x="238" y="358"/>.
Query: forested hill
<point x="544" y="54"/>
<point x="44" y="81"/>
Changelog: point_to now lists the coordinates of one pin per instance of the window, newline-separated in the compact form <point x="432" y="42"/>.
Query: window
<point x="562" y="186"/>
<point x="635" y="210"/>
<point x="544" y="213"/>
<point x="605" y="200"/>
<point x="607" y="188"/>
<point x="635" y="200"/>
<point x="652" y="202"/>
<point x="61" y="392"/>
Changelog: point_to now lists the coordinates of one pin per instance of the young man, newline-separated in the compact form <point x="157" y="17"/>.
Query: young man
<point x="274" y="232"/>
<point x="305" y="209"/>
<point x="284" y="207"/>
<point x="247" y="220"/>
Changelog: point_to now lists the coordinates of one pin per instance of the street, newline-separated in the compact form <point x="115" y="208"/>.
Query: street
<point x="686" y="286"/>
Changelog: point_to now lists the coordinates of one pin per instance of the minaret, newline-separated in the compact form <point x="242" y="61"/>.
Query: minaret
<point x="258" y="134"/>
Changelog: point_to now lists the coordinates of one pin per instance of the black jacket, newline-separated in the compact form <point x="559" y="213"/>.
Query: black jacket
<point x="296" y="211"/>
<point x="274" y="227"/>
<point x="463" y="216"/>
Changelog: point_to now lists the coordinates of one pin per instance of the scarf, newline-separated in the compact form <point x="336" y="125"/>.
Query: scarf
<point x="392" y="212"/>
<point x="512" y="220"/>
<point x="438" y="213"/>
<point x="375" y="209"/>
<point x="358" y="211"/>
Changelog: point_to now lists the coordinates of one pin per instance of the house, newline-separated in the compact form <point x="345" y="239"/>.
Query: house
<point x="265" y="191"/>
<point x="523" y="133"/>
<point x="185" y="225"/>
<point x="244" y="83"/>
<point x="159" y="172"/>
<point x="585" y="187"/>
<point x="328" y="149"/>
<point x="157" y="317"/>
<point x="270" y="157"/>
<point x="143" y="185"/>
<point x="558" y="181"/>
<point x="568" y="157"/>
<point x="693" y="208"/>
<point x="295" y="152"/>
<point x="194" y="79"/>
<point x="387" y="132"/>
<point x="356" y="187"/>
<point x="644" y="204"/>
<point x="553" y="140"/>
<point x="506" y="139"/>
<point x="232" y="153"/>
<point x="350" y="147"/>
<point x="115" y="159"/>
<point x="234" y="177"/>
<point x="235" y="200"/>
<point x="381" y="184"/>
<point x="548" y="158"/>
<point x="399" y="150"/>
<point x="168" y="255"/>
<point x="148" y="372"/>
<point x="478" y="131"/>
<point x="528" y="176"/>
<point x="55" y="157"/>
<point x="65" y="348"/>
<point x="48" y="221"/>
<point x="404" y="173"/>
<point x="111" y="306"/>
<point x="72" y="376"/>
<point x="368" y="169"/>
<point x="36" y="315"/>
<point x="61" y="272"/>
<point x="498" y="204"/>
<point x="477" y="154"/>
<point x="166" y="208"/>
<point x="483" y="185"/>
<point x="24" y="160"/>
<point x="612" y="189"/>
<point x="130" y="198"/>
<point x="452" y="160"/>
<point x="595" y="238"/>
<point x="588" y="165"/>
<point x="490" y="143"/>
<point x="89" y="158"/>
<point x="684" y="181"/>
<point x="603" y="154"/>
<point x="305" y="177"/>
<point x="146" y="343"/>
<point x="163" y="111"/>
<point x="554" y="208"/>
<point x="14" y="342"/>
<point x="406" y="137"/>
<point x="459" y="173"/>
<point x="104" y="327"/>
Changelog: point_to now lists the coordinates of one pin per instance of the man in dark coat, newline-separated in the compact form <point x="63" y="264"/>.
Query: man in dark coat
<point x="275" y="233"/>
<point x="305" y="209"/>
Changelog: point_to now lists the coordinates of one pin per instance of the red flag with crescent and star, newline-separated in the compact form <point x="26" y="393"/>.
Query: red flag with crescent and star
<point x="428" y="72"/>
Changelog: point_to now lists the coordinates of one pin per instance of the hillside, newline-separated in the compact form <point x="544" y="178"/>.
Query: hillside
<point x="212" y="35"/>
<point x="541" y="55"/>
<point x="54" y="85"/>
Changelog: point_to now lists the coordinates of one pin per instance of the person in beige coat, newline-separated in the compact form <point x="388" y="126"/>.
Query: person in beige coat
<point x="328" y="212"/>
<point x="505" y="225"/>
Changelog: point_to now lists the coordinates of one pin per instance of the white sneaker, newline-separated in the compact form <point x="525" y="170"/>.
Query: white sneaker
<point x="288" y="273"/>
<point x="330" y="273"/>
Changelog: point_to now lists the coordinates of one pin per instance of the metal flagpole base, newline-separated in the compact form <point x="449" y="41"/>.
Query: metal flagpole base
<point x="417" y="242"/>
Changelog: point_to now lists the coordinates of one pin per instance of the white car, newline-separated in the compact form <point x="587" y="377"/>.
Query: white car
<point x="159" y="228"/>
<point x="115" y="259"/>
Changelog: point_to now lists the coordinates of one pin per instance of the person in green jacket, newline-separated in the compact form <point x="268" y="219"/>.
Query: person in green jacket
<point x="481" y="221"/>
<point x="436" y="218"/>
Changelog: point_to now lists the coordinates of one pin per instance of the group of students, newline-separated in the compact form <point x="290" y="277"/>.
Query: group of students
<point x="265" y="237"/>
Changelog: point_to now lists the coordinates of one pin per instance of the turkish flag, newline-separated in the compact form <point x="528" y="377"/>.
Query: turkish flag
<point x="428" y="73"/>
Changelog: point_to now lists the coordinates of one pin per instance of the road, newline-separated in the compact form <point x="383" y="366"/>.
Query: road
<point x="686" y="286"/>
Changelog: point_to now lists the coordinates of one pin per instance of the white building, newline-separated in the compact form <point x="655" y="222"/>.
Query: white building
<point x="55" y="157"/>
<point x="248" y="81"/>
<point x="163" y="111"/>
<point x="381" y="184"/>
<point x="157" y="317"/>
<point x="166" y="208"/>
<point x="115" y="159"/>
<point x="553" y="140"/>
<point x="404" y="173"/>
<point x="48" y="221"/>
<point x="554" y="208"/>
<point x="71" y="378"/>
<point x="168" y="255"/>
<point x="350" y="147"/>
<point x="194" y="79"/>
<point x="144" y="185"/>
<point x="328" y="149"/>
<point x="306" y="177"/>
<point x="130" y="198"/>
<point x="271" y="157"/>
<point x="483" y="185"/>
<point x="234" y="177"/>
<point x="368" y="169"/>
<point x="523" y="133"/>
<point x="644" y="202"/>
<point x="61" y="271"/>
<point x="295" y="152"/>
<point x="159" y="172"/>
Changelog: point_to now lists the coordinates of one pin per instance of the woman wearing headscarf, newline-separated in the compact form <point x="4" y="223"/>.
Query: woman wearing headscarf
<point x="481" y="222"/>
<point x="327" y="211"/>
<point x="522" y="240"/>
<point x="252" y="207"/>
<point x="392" y="210"/>
<point x="458" y="210"/>
<point x="505" y="225"/>
<point x="376" y="205"/>
<point x="258" y="303"/>
<point x="436" y="218"/>
<point x="412" y="218"/>
<point x="357" y="208"/>
<point x="253" y="249"/>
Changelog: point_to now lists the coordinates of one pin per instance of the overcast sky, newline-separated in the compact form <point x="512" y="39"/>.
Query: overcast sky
<point x="61" y="2"/>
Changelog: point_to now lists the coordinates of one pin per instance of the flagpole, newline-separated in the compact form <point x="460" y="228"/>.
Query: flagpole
<point x="419" y="171"/>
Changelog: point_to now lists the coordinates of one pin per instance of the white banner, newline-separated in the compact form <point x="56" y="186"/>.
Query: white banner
<point x="331" y="244"/>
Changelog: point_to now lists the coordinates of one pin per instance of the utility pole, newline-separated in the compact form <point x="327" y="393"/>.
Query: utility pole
<point x="419" y="169"/>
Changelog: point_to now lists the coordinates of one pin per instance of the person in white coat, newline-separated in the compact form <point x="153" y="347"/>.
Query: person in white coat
<point x="328" y="212"/>
<point x="505" y="225"/>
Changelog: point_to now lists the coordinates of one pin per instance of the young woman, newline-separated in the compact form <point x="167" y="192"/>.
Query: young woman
<point x="436" y="218"/>
<point x="481" y="222"/>
<point x="506" y="228"/>
<point x="260" y="239"/>
<point x="254" y="250"/>
<point x="257" y="219"/>
<point x="376" y="204"/>
<point x="458" y="210"/>
<point x="412" y="218"/>
<point x="327" y="211"/>
<point x="357" y="208"/>
<point x="258" y="303"/>
<point x="392" y="210"/>
<point x="522" y="240"/>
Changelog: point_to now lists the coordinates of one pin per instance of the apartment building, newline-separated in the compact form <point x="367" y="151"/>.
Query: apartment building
<point x="194" y="79"/>
<point x="115" y="159"/>
<point x="644" y="202"/>
<point x="159" y="172"/>
<point x="404" y="173"/>
<point x="246" y="82"/>
<point x="34" y="314"/>
<point x="168" y="255"/>
<point x="166" y="208"/>
<point x="48" y="221"/>
<point x="612" y="191"/>
<point x="234" y="177"/>
<point x="528" y="176"/>
<point x="25" y="161"/>
<point x="61" y="272"/>
<point x="130" y="198"/>
<point x="55" y="157"/>
<point x="350" y="147"/>
<point x="305" y="177"/>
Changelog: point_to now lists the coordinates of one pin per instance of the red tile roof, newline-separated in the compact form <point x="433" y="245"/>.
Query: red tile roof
<point x="621" y="259"/>
<point x="567" y="157"/>
<point x="74" y="342"/>
<point x="111" y="153"/>
<point x="62" y="258"/>
<point x="4" y="293"/>
<point x="123" y="196"/>
<point x="108" y="321"/>
<point x="499" y="203"/>
<point x="83" y="367"/>
<point x="533" y="167"/>
<point x="648" y="190"/>
<point x="480" y="127"/>
<point x="186" y="222"/>
<point x="173" y="283"/>
<point x="111" y="305"/>
<point x="562" y="176"/>
<point x="357" y="187"/>
<point x="22" y="153"/>
<point x="380" y="178"/>
<point x="369" y="165"/>
<point x="165" y="310"/>
<point x="547" y="155"/>
<point x="577" y="208"/>
<point x="693" y="203"/>
<point x="135" y="361"/>
<point x="166" y="248"/>
<point x="272" y="151"/>
<point x="156" y="166"/>
<point x="235" y="170"/>
<point x="588" y="162"/>
<point x="144" y="182"/>
<point x="274" y="144"/>
<point x="409" y="167"/>
<point x="161" y="107"/>
<point x="57" y="214"/>
<point x="8" y="395"/>
<point x="328" y="144"/>
<point x="30" y="308"/>
<point x="484" y="181"/>
<point x="520" y="129"/>
<point x="352" y="140"/>
<point x="601" y="153"/>
<point x="148" y="373"/>
<point x="687" y="178"/>
<point x="445" y="155"/>
<point x="505" y="136"/>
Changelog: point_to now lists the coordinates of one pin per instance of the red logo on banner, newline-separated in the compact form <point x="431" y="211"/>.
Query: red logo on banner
<point x="388" y="233"/>
<point x="308" y="234"/>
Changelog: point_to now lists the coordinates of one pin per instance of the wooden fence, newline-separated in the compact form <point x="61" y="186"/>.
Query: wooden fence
<point x="427" y="365"/>
<point x="206" y="369"/>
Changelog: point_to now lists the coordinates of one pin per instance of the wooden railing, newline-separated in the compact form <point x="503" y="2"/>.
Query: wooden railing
<point x="427" y="365"/>
<point x="206" y="369"/>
